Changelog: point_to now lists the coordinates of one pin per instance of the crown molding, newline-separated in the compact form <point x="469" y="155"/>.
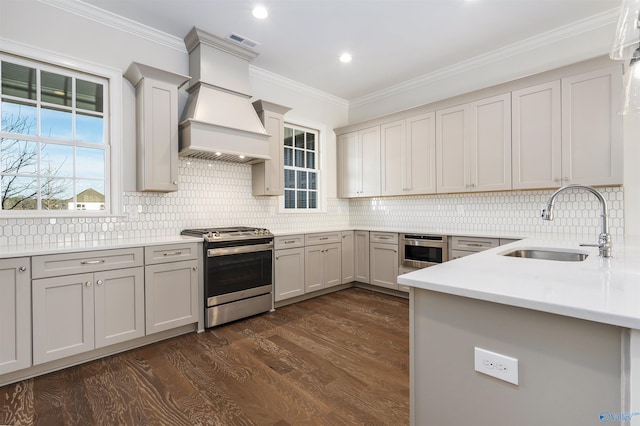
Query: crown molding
<point x="287" y="83"/>
<point x="117" y="22"/>
<point x="541" y="40"/>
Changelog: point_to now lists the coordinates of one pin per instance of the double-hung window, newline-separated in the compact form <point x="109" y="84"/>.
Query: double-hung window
<point x="301" y="168"/>
<point x="54" y="150"/>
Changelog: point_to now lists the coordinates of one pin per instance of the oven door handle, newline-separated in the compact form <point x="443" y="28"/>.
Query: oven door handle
<point x="225" y="251"/>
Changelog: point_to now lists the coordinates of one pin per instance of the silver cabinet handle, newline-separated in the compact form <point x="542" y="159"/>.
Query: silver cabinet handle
<point x="384" y="238"/>
<point x="474" y="245"/>
<point x="99" y="282"/>
<point x="290" y="241"/>
<point x="88" y="284"/>
<point x="195" y="268"/>
<point x="92" y="262"/>
<point x="324" y="238"/>
<point x="22" y="269"/>
<point x="172" y="253"/>
<point x="175" y="182"/>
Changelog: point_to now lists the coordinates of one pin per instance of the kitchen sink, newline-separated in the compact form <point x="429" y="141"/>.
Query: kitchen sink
<point x="547" y="254"/>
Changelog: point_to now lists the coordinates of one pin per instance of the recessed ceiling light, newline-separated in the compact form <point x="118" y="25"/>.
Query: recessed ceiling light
<point x="345" y="58"/>
<point x="260" y="12"/>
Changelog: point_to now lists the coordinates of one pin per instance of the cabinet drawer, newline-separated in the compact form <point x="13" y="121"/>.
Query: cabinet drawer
<point x="457" y="254"/>
<point x="77" y="263"/>
<point x="170" y="253"/>
<point x="383" y="237"/>
<point x="323" y="238"/>
<point x="473" y="243"/>
<point x="289" y="241"/>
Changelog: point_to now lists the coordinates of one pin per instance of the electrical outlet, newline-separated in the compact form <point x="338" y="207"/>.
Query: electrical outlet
<point x="496" y="365"/>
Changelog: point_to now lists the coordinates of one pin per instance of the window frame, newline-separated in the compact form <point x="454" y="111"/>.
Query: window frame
<point x="320" y="204"/>
<point x="112" y="111"/>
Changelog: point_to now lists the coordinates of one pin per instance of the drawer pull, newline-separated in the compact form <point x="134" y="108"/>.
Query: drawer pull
<point x="324" y="238"/>
<point x="92" y="262"/>
<point x="88" y="284"/>
<point x="99" y="282"/>
<point x="22" y="269"/>
<point x="290" y="241"/>
<point x="195" y="268"/>
<point x="384" y="238"/>
<point x="474" y="245"/>
<point x="172" y="253"/>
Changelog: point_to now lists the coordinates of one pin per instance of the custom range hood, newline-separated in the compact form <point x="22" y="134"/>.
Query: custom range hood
<point x="219" y="122"/>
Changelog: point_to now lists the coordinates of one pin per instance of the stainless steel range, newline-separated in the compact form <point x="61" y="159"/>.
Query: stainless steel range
<point x="238" y="272"/>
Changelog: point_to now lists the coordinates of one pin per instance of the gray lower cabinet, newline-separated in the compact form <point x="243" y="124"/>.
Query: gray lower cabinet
<point x="289" y="273"/>
<point x="322" y="266"/>
<point x="171" y="286"/>
<point x="77" y="313"/>
<point x="348" y="257"/>
<point x="15" y="314"/>
<point x="361" y="262"/>
<point x="384" y="259"/>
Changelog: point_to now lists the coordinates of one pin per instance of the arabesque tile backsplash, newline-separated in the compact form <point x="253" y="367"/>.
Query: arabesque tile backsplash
<point x="219" y="194"/>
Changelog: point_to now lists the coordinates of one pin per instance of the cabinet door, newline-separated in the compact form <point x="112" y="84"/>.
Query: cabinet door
<point x="369" y="149"/>
<point x="15" y="315"/>
<point x="392" y="141"/>
<point x="268" y="176"/>
<point x="332" y="259"/>
<point x="592" y="128"/>
<point x="289" y="273"/>
<point x="419" y="155"/>
<point x="348" y="257"/>
<point x="490" y="144"/>
<point x="171" y="295"/>
<point x="119" y="306"/>
<point x="452" y="153"/>
<point x="62" y="317"/>
<point x="384" y="265"/>
<point x="158" y="136"/>
<point x="313" y="268"/>
<point x="536" y="158"/>
<point x="361" y="264"/>
<point x="348" y="165"/>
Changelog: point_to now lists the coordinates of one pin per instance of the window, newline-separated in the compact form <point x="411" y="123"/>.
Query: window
<point x="54" y="148"/>
<point x="301" y="168"/>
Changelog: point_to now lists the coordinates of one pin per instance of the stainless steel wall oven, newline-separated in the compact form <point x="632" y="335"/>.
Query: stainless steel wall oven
<point x="238" y="272"/>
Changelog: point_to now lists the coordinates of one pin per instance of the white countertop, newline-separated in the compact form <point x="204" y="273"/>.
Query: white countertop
<point x="596" y="289"/>
<point x="75" y="246"/>
<point x="424" y="230"/>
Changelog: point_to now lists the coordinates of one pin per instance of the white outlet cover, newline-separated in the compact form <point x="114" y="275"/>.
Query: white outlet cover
<point x="496" y="365"/>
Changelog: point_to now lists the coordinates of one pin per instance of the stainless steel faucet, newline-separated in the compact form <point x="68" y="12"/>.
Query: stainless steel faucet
<point x="604" y="240"/>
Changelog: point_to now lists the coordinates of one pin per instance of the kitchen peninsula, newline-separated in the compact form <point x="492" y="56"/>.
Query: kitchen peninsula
<point x="572" y="326"/>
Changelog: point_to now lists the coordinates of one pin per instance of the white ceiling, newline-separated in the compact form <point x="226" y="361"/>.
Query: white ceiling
<point x="391" y="40"/>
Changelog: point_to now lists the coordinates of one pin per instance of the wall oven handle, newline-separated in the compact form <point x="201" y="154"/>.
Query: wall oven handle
<point x="225" y="251"/>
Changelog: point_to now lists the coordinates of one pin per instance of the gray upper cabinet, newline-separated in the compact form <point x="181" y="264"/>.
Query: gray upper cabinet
<point x="592" y="128"/>
<point x="359" y="163"/>
<point x="156" y="126"/>
<point x="268" y="176"/>
<point x="473" y="145"/>
<point x="408" y="151"/>
<point x="568" y="131"/>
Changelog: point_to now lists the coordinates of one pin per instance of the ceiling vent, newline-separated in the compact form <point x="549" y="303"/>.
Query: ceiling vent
<point x="237" y="38"/>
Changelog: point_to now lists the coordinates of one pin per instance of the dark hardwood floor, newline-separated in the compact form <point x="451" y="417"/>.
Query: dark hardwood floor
<point x="338" y="359"/>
